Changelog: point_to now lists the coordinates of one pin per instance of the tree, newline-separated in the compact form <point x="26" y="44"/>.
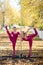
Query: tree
<point x="11" y="16"/>
<point x="32" y="11"/>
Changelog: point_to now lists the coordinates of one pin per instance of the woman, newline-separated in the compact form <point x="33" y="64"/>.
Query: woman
<point x="29" y="38"/>
<point x="13" y="37"/>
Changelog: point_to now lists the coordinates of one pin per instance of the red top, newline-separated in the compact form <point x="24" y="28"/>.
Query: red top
<point x="12" y="36"/>
<point x="30" y="37"/>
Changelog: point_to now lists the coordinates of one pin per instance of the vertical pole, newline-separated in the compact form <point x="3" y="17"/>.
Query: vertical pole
<point x="21" y="29"/>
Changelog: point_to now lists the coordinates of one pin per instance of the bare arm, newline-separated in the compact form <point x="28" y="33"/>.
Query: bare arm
<point x="28" y="29"/>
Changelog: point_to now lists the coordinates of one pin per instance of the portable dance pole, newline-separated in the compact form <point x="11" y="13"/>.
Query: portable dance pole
<point x="21" y="23"/>
<point x="21" y="42"/>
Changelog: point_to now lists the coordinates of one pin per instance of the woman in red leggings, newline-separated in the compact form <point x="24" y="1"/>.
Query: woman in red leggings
<point x="29" y="38"/>
<point x="13" y="37"/>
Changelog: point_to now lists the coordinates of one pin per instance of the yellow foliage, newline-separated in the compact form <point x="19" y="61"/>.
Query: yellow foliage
<point x="11" y="15"/>
<point x="30" y="11"/>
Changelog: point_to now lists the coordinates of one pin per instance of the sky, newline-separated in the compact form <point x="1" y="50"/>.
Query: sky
<point x="15" y="4"/>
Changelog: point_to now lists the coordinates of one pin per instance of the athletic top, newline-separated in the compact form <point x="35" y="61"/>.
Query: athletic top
<point x="13" y="36"/>
<point x="30" y="36"/>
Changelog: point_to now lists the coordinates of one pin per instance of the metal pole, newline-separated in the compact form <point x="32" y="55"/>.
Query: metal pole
<point x="21" y="30"/>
